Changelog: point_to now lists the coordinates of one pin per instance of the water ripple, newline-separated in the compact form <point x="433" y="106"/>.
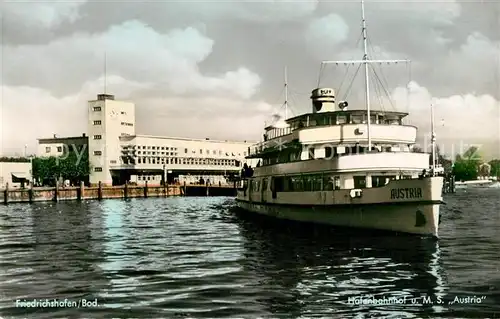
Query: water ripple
<point x="201" y="258"/>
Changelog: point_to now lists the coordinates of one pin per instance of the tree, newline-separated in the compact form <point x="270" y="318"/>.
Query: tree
<point x="466" y="166"/>
<point x="495" y="167"/>
<point x="69" y="167"/>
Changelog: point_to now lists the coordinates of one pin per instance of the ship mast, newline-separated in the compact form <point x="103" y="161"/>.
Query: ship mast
<point x="367" y="80"/>
<point x="365" y="61"/>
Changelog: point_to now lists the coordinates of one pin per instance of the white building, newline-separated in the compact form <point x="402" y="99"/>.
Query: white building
<point x="16" y="174"/>
<point x="117" y="154"/>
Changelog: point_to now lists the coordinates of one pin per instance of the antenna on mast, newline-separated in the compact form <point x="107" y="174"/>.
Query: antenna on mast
<point x="433" y="141"/>
<point x="286" y="94"/>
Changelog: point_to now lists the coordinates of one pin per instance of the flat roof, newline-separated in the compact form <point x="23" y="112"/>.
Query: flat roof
<point x="130" y="137"/>
<point x="56" y="139"/>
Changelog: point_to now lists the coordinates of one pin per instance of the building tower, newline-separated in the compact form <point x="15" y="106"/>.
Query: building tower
<point x="108" y="119"/>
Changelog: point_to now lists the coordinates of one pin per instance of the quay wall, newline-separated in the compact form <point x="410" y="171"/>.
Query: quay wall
<point x="38" y="194"/>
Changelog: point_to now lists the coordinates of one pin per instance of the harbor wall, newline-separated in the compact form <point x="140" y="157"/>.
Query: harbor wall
<point x="39" y="194"/>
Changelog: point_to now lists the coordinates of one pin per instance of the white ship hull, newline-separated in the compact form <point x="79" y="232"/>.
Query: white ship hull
<point x="377" y="208"/>
<point x="405" y="218"/>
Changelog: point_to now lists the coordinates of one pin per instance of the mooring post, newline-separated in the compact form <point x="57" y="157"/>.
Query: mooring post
<point x="56" y="192"/>
<point x="99" y="191"/>
<point x="125" y="190"/>
<point x="146" y="189"/>
<point x="82" y="190"/>
<point x="30" y="193"/>
<point x="6" y="194"/>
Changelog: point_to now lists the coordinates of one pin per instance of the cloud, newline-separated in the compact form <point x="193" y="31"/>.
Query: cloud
<point x="473" y="66"/>
<point x="134" y="51"/>
<point x="266" y="11"/>
<point x="459" y="119"/>
<point x="141" y="63"/>
<point x="41" y="14"/>
<point x="323" y="35"/>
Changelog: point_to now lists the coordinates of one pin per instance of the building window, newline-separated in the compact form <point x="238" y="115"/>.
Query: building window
<point x="97" y="108"/>
<point x="59" y="149"/>
<point x="97" y="153"/>
<point x="97" y="137"/>
<point x="47" y="149"/>
<point x="97" y="122"/>
<point x="185" y="151"/>
<point x="112" y="162"/>
<point x="123" y="112"/>
<point x="97" y="169"/>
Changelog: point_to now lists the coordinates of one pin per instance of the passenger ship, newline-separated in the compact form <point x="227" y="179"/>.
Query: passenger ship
<point x="351" y="168"/>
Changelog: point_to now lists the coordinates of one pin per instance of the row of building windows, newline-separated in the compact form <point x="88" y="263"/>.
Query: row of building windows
<point x="98" y="109"/>
<point x="185" y="161"/>
<point x="48" y="149"/>
<point x="315" y="183"/>
<point x="97" y="122"/>
<point x="127" y="124"/>
<point x="186" y="150"/>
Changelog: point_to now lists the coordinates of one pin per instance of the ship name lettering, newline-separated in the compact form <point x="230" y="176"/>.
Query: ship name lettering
<point x="406" y="193"/>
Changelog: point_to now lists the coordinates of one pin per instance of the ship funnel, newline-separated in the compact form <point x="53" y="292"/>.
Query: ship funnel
<point x="323" y="100"/>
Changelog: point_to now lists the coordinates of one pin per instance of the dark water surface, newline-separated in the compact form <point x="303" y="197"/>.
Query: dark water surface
<point x="196" y="258"/>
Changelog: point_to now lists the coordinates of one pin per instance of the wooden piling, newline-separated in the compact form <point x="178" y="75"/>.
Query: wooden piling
<point x="99" y="191"/>
<point x="56" y="192"/>
<point x="146" y="189"/>
<point x="125" y="190"/>
<point x="82" y="190"/>
<point x="31" y="193"/>
<point x="6" y="194"/>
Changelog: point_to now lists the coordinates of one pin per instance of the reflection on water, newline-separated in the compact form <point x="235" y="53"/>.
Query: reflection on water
<point x="199" y="258"/>
<point x="319" y="271"/>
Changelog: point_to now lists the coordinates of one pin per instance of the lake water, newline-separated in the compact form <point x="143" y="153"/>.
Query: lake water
<point x="197" y="258"/>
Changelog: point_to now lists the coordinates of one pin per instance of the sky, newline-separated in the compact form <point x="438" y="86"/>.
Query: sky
<point x="216" y="68"/>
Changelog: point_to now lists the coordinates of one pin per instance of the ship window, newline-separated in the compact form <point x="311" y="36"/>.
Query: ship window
<point x="296" y="184"/>
<point x="359" y="181"/>
<point x="264" y="184"/>
<point x="317" y="183"/>
<point x="378" y="181"/>
<point x="336" y="182"/>
<point x="307" y="183"/>
<point x="341" y="119"/>
<point x="356" y="119"/>
<point x="328" y="152"/>
<point x="279" y="184"/>
<point x="327" y="182"/>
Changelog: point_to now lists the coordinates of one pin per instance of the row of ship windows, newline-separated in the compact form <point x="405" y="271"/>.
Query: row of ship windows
<point x="321" y="120"/>
<point x="315" y="182"/>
